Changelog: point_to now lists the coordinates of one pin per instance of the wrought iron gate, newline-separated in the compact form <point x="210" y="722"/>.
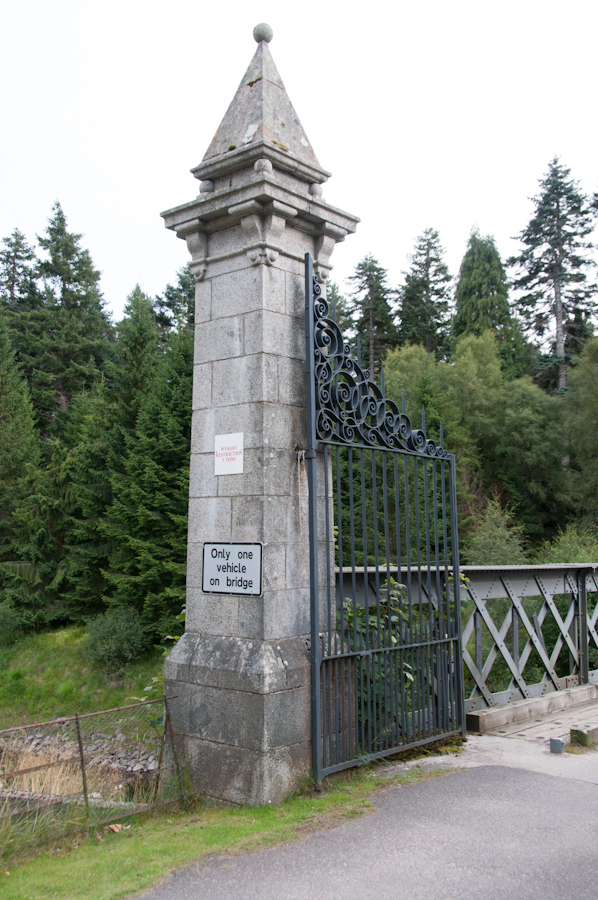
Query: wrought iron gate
<point x="387" y="669"/>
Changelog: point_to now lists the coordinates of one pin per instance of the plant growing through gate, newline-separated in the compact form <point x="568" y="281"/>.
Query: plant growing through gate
<point x="379" y="676"/>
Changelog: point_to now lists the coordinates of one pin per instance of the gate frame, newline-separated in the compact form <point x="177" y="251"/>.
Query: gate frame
<point x="311" y="288"/>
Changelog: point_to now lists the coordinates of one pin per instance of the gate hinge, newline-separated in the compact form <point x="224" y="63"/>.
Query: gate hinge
<point x="310" y="454"/>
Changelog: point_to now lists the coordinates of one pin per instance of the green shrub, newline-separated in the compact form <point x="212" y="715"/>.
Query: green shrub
<point x="10" y="628"/>
<point x="496" y="540"/>
<point x="573" y="545"/>
<point x="115" y="639"/>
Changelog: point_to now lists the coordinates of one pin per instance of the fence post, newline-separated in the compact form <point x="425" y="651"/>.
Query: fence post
<point x="583" y="628"/>
<point x="82" y="755"/>
<point x="175" y="756"/>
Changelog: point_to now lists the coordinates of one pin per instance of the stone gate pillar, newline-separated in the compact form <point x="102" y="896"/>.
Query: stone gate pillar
<point x="240" y="673"/>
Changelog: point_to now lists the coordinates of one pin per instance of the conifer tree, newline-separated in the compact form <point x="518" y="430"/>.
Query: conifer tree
<point x="553" y="265"/>
<point x="137" y="354"/>
<point x="41" y="521"/>
<point x="423" y="315"/>
<point x="370" y="308"/>
<point x="18" y="440"/>
<point x="176" y="307"/>
<point x="18" y="287"/>
<point x="101" y="420"/>
<point x="147" y="520"/>
<point x="63" y="342"/>
<point x="482" y="293"/>
<point x="482" y="303"/>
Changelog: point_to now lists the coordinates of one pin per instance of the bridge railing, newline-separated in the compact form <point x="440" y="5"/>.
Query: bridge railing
<point x="527" y="631"/>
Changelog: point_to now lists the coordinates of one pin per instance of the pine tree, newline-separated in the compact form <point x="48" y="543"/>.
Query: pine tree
<point x="18" y="440"/>
<point x="41" y="522"/>
<point x="482" y="293"/>
<point x="92" y="451"/>
<point x="582" y="419"/>
<point x="136" y="357"/>
<point x="147" y="521"/>
<point x="425" y="295"/>
<point x="176" y="307"/>
<point x="62" y="343"/>
<point x="482" y="303"/>
<point x="553" y="265"/>
<point x="370" y="308"/>
<point x="101" y="421"/>
<point x="18" y="287"/>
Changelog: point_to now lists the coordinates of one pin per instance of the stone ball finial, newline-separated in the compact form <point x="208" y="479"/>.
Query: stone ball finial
<point x="263" y="32"/>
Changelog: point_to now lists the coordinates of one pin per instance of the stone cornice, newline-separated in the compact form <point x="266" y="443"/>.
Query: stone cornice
<point x="264" y="208"/>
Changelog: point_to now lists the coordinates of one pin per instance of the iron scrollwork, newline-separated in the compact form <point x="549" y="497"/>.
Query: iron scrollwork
<point x="351" y="408"/>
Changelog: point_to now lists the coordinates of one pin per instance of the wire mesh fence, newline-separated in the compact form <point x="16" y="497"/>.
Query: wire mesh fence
<point x="85" y="771"/>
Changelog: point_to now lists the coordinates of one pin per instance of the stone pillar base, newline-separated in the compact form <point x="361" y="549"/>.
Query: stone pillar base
<point x="241" y="709"/>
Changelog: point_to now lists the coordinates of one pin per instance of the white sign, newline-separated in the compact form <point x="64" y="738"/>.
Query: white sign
<point x="232" y="569"/>
<point x="228" y="459"/>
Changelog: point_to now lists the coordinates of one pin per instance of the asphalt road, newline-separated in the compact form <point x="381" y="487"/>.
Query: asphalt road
<point x="485" y="833"/>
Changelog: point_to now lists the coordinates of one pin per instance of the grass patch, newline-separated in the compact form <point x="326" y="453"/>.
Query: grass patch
<point x="109" y="866"/>
<point x="44" y="676"/>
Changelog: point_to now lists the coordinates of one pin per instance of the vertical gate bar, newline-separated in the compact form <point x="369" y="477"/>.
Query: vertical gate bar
<point x="418" y="542"/>
<point x="352" y="532"/>
<point x="436" y="543"/>
<point x="362" y="703"/>
<point x="367" y="718"/>
<point x="388" y="694"/>
<point x="353" y="740"/>
<point x="408" y="542"/>
<point x="324" y="707"/>
<point x="430" y="654"/>
<point x="327" y="463"/>
<point x="457" y="590"/>
<point x="445" y="544"/>
<point x="339" y="526"/>
<point x="337" y="718"/>
<point x="395" y="459"/>
<point x="440" y="657"/>
<point x="584" y="674"/>
<point x="364" y="536"/>
<point x="376" y="545"/>
<point x="313" y="517"/>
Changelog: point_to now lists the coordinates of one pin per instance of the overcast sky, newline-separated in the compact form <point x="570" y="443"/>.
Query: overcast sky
<point x="428" y="114"/>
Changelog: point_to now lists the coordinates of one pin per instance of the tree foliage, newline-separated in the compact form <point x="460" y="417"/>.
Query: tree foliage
<point x="424" y="298"/>
<point x="554" y="263"/>
<point x="370" y="308"/>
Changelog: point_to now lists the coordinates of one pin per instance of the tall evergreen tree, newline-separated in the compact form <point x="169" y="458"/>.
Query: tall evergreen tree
<point x="136" y="356"/>
<point x="147" y="520"/>
<point x="176" y="307"/>
<point x="19" y="444"/>
<point x="41" y="522"/>
<point x="424" y="298"/>
<point x="101" y="421"/>
<point x="482" y="302"/>
<point x="18" y="265"/>
<point x="64" y="342"/>
<point x="582" y="419"/>
<point x="553" y="265"/>
<point x="482" y="292"/>
<point x="370" y="308"/>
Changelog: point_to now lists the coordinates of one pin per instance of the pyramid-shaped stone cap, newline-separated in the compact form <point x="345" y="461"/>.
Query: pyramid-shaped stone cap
<point x="261" y="115"/>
